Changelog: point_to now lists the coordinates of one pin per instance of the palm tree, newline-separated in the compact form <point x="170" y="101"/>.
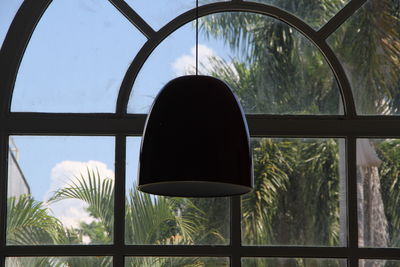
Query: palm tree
<point x="272" y="44"/>
<point x="268" y="49"/>
<point x="28" y="222"/>
<point x="268" y="70"/>
<point x="271" y="167"/>
<point x="276" y="71"/>
<point x="389" y="171"/>
<point x="280" y="72"/>
<point x="372" y="62"/>
<point x="149" y="220"/>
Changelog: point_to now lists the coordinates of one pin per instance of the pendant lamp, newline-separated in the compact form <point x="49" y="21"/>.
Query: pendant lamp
<point x="196" y="141"/>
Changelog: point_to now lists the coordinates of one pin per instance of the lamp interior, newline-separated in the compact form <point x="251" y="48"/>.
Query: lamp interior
<point x="194" y="189"/>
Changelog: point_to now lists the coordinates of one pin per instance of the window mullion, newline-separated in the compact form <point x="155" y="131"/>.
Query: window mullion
<point x="119" y="200"/>
<point x="236" y="231"/>
<point x="3" y="195"/>
<point x="352" y="216"/>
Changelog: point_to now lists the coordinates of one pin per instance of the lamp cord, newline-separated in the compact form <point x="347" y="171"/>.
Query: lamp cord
<point x="197" y="37"/>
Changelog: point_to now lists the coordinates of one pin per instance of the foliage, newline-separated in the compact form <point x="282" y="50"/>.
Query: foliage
<point x="149" y="220"/>
<point x="29" y="222"/>
<point x="373" y="62"/>
<point x="296" y="180"/>
<point x="98" y="193"/>
<point x="275" y="70"/>
<point x="163" y="224"/>
<point x="389" y="171"/>
<point x="96" y="232"/>
<point x="271" y="165"/>
<point x="280" y="71"/>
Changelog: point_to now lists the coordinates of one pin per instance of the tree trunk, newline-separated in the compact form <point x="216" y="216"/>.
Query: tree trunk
<point x="372" y="222"/>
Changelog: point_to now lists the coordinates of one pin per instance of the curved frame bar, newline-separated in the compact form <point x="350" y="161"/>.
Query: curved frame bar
<point x="14" y="46"/>
<point x="12" y="54"/>
<point x="314" y="36"/>
<point x="132" y="124"/>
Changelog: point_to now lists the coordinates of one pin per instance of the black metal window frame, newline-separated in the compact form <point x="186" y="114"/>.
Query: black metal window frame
<point x="349" y="126"/>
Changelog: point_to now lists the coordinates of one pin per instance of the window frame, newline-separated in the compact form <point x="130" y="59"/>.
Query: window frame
<point x="121" y="125"/>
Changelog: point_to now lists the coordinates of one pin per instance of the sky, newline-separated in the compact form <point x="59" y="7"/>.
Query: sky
<point x="8" y="9"/>
<point x="75" y="62"/>
<point x="80" y="51"/>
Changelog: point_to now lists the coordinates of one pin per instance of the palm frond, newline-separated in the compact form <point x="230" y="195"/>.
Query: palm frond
<point x="96" y="191"/>
<point x="28" y="222"/>
<point x="152" y="220"/>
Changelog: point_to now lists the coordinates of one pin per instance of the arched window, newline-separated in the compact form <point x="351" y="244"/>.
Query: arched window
<point x="319" y="82"/>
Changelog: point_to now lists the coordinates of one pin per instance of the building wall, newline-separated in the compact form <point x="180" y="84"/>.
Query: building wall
<point x="17" y="184"/>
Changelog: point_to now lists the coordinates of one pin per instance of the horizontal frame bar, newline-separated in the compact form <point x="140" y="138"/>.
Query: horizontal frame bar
<point x="259" y="125"/>
<point x="211" y="251"/>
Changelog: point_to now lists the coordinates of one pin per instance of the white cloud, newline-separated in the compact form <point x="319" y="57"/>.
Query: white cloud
<point x="186" y="64"/>
<point x="71" y="211"/>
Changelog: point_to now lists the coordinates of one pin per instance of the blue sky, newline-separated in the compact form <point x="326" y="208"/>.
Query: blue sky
<point x="79" y="53"/>
<point x="75" y="62"/>
<point x="8" y="8"/>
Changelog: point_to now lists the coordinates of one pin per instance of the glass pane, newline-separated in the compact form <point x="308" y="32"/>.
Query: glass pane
<point x="379" y="263"/>
<point x="368" y="47"/>
<point x="315" y="13"/>
<point x="295" y="262"/>
<point x="286" y="75"/>
<point x="160" y="12"/>
<point x="299" y="193"/>
<point x="58" y="261"/>
<point x="61" y="190"/>
<point x="171" y="221"/>
<point x="8" y="9"/>
<point x="378" y="170"/>
<point x="176" y="262"/>
<point x="76" y="59"/>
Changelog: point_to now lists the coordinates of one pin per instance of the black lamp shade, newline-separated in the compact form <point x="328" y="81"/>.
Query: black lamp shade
<point x="196" y="141"/>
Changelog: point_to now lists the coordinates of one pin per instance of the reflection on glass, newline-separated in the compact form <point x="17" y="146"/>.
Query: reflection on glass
<point x="297" y="194"/>
<point x="378" y="168"/>
<point x="60" y="190"/>
<point x="368" y="46"/>
<point x="59" y="261"/>
<point x="76" y="59"/>
<point x="8" y="9"/>
<point x="379" y="263"/>
<point x="285" y="75"/>
<point x="295" y="262"/>
<point x="160" y="12"/>
<point x="176" y="261"/>
<point x="171" y="221"/>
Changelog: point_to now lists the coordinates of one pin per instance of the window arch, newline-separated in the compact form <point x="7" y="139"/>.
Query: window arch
<point x="350" y="135"/>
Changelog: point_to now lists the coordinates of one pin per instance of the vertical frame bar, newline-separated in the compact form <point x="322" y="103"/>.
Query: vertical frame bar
<point x="119" y="200"/>
<point x="3" y="194"/>
<point x="352" y="216"/>
<point x="236" y="231"/>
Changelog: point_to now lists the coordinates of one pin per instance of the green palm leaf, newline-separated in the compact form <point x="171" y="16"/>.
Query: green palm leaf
<point x="96" y="191"/>
<point x="151" y="220"/>
<point x="29" y="223"/>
